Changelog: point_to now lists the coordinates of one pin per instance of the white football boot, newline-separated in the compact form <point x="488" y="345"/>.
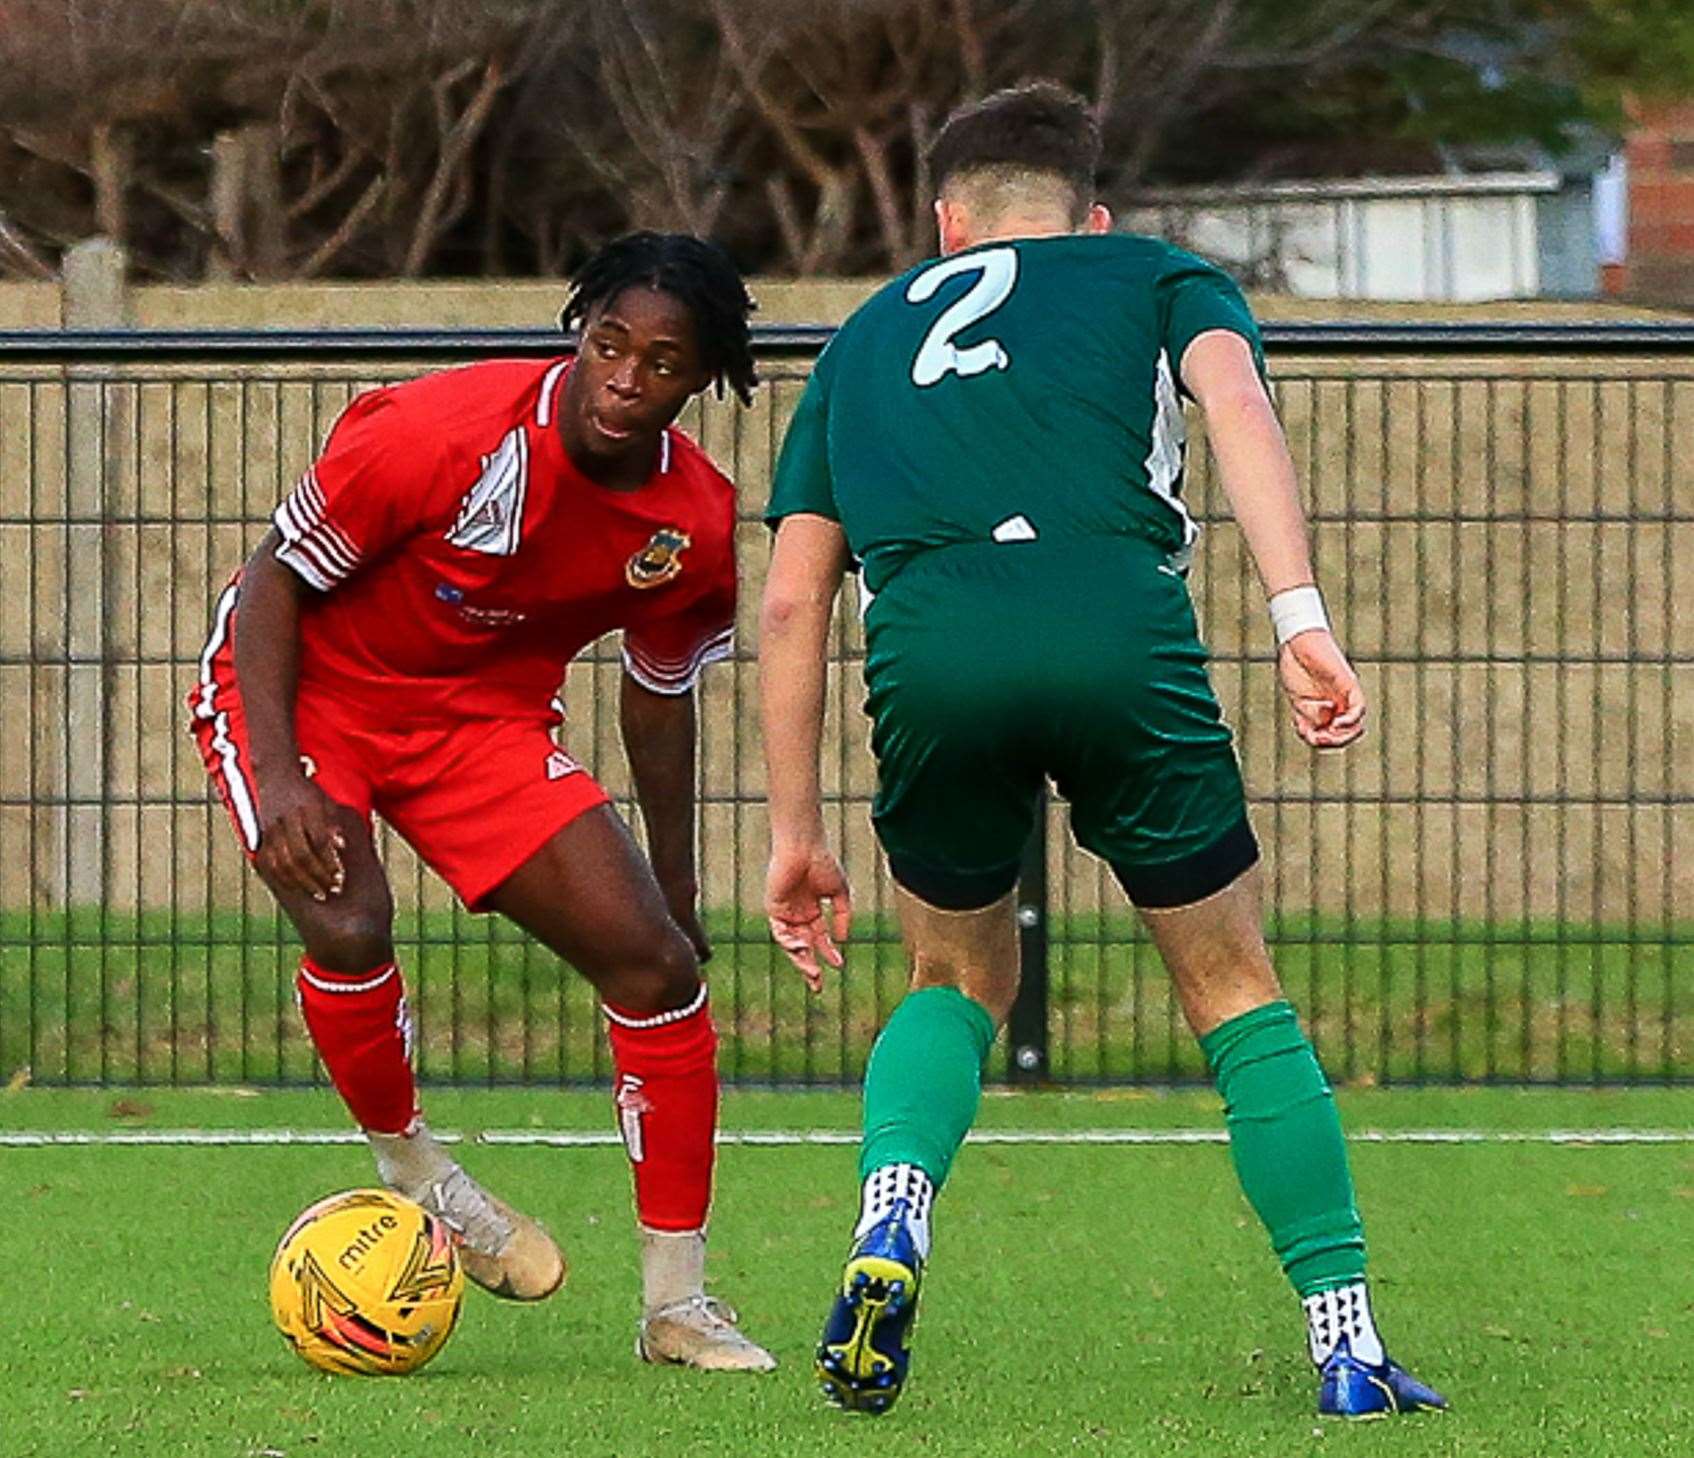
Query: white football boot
<point x="503" y="1251"/>
<point x="680" y="1323"/>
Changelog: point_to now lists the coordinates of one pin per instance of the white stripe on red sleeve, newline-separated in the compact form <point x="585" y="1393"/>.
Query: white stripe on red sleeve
<point x="304" y="567"/>
<point x="334" y="544"/>
<point x="312" y="545"/>
<point x="676" y="676"/>
<point x="309" y="549"/>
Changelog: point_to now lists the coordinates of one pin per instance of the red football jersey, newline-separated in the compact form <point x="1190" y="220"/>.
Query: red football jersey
<point x="462" y="560"/>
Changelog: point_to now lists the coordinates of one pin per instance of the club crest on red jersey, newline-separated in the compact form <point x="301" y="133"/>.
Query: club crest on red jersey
<point x="660" y="560"/>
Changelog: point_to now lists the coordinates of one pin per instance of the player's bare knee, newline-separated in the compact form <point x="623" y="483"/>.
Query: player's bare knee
<point x="974" y="951"/>
<point x="659" y="977"/>
<point x="994" y="986"/>
<point x="677" y="971"/>
<point x="997" y="995"/>
<point x="349" y="938"/>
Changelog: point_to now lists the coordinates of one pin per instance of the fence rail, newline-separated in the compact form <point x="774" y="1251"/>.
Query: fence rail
<point x="1495" y="885"/>
<point x="1319" y="338"/>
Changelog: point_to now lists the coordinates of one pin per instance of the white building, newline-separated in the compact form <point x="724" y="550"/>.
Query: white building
<point x="1497" y="235"/>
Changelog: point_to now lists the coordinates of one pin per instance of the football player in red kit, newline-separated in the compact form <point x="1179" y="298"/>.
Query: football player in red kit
<point x="395" y="645"/>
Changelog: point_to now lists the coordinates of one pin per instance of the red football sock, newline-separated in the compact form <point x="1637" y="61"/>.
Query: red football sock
<point x="364" y="1036"/>
<point x="666" y="1096"/>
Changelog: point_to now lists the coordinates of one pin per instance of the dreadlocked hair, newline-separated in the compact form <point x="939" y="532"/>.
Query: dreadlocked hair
<point x="699" y="275"/>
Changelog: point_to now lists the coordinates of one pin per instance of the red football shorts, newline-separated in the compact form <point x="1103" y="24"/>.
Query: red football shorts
<point x="474" y="798"/>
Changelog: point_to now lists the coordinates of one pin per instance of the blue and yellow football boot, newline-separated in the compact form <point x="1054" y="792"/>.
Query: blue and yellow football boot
<point x="863" y="1354"/>
<point x="1349" y="1388"/>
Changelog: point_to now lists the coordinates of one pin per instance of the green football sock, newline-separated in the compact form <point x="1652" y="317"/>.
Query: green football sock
<point x="924" y="1082"/>
<point x="1285" y="1137"/>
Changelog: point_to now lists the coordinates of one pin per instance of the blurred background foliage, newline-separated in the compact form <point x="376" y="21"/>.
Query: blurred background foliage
<point x="297" y="139"/>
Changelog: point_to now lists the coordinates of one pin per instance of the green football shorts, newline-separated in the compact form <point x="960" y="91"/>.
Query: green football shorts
<point x="992" y="667"/>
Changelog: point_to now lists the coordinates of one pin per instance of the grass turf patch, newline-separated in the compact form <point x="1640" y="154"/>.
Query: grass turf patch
<point x="1082" y="1299"/>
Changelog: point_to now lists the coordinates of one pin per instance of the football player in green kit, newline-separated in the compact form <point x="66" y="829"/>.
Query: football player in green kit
<point x="995" y="439"/>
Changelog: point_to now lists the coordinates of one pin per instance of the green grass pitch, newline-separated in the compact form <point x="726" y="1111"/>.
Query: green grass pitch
<point x="1082" y="1299"/>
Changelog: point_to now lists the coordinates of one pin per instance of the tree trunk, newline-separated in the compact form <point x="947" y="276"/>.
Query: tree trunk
<point x="267" y="234"/>
<point x="111" y="157"/>
<point x="225" y="194"/>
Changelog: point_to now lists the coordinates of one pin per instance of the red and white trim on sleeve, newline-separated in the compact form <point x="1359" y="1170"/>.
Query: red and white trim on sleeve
<point x="676" y="675"/>
<point x="242" y="801"/>
<point x="312" y="545"/>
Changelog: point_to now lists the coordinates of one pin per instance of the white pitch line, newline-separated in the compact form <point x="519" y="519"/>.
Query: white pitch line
<point x="29" y="1138"/>
<point x="581" y="1139"/>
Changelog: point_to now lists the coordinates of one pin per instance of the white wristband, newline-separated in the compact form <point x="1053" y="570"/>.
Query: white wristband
<point x="1297" y="610"/>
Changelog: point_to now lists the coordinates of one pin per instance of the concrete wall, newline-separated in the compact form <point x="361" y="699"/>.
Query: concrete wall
<point x="530" y="304"/>
<point x="1509" y="554"/>
<point x="473" y="303"/>
<point x="29" y="306"/>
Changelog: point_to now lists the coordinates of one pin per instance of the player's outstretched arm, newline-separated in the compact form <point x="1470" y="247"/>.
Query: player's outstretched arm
<point x="1257" y="472"/>
<point x="300" y="844"/>
<point x="804" y="875"/>
<point x="659" y="737"/>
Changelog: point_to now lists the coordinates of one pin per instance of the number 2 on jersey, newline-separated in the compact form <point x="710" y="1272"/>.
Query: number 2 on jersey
<point x="938" y="356"/>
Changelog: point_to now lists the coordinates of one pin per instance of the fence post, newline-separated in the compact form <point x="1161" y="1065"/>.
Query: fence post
<point x="1026" y="1029"/>
<point x="94" y="297"/>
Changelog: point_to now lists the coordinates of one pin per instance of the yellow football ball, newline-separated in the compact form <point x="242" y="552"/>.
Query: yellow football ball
<point x="368" y="1282"/>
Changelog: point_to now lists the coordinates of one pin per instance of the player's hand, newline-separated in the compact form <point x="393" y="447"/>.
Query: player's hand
<point x="300" y="841"/>
<point x="800" y="880"/>
<point x="1323" y="691"/>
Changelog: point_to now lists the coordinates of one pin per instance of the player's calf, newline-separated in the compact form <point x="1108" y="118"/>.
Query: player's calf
<point x="666" y="1104"/>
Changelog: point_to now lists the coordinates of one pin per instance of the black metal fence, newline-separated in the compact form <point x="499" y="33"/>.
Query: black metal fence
<point x="1495" y="885"/>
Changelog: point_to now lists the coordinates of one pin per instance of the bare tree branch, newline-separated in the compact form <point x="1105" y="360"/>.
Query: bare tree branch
<point x="457" y="139"/>
<point x="890" y="208"/>
<point x="325" y="253"/>
<point x="1154" y="107"/>
<point x="419" y="135"/>
<point x="973" y="50"/>
<point x="328" y="183"/>
<point x="23" y="257"/>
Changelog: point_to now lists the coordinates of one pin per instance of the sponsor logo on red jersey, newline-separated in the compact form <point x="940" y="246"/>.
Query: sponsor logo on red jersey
<point x="482" y="617"/>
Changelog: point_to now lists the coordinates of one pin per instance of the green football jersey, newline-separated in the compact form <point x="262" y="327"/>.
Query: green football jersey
<point x="1020" y="390"/>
